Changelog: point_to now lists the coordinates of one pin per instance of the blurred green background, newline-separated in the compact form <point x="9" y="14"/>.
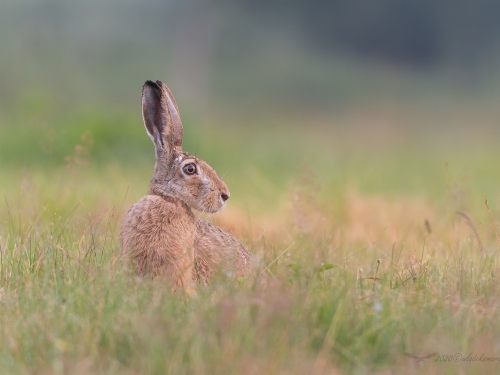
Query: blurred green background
<point x="379" y="95"/>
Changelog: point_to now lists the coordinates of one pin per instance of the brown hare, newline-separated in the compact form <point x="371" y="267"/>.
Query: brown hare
<point x="160" y="233"/>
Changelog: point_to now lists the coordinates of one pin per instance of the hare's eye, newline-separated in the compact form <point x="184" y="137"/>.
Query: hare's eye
<point x="189" y="169"/>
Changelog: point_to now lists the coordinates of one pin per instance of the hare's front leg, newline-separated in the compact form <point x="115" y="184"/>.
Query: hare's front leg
<point x="175" y="247"/>
<point x="182" y="264"/>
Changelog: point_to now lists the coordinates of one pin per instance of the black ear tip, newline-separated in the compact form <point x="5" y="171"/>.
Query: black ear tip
<point x="151" y="84"/>
<point x="159" y="83"/>
<point x="154" y="86"/>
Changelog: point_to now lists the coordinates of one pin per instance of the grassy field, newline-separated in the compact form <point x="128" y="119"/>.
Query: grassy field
<point x="362" y="255"/>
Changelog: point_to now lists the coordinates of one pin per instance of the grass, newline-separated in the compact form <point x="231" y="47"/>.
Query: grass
<point x="362" y="257"/>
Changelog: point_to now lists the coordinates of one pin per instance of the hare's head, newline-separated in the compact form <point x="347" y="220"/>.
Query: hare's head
<point x="177" y="174"/>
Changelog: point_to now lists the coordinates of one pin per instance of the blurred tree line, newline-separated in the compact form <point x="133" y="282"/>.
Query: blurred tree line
<point x="419" y="32"/>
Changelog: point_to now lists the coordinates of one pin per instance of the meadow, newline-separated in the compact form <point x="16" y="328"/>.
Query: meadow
<point x="373" y="240"/>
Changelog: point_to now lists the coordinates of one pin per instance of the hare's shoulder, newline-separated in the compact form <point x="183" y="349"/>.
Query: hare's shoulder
<point x="210" y="235"/>
<point x="204" y="228"/>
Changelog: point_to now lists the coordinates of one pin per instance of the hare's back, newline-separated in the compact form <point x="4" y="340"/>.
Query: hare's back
<point x="215" y="248"/>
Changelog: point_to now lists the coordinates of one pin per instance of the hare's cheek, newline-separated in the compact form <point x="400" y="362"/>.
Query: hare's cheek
<point x="191" y="182"/>
<point x="204" y="181"/>
<point x="194" y="190"/>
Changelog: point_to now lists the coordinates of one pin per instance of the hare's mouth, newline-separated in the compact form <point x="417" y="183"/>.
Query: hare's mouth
<point x="218" y="207"/>
<point x="212" y="206"/>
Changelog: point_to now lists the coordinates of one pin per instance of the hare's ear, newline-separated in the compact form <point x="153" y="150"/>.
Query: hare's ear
<point x="161" y="118"/>
<point x="174" y="117"/>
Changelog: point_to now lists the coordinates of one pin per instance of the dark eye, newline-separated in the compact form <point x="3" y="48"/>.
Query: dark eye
<point x="189" y="169"/>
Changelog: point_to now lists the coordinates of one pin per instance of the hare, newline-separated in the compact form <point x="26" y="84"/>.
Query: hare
<point x="160" y="233"/>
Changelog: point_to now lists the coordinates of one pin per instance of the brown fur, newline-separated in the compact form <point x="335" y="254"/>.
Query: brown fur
<point x="160" y="232"/>
<point x="216" y="249"/>
<point x="144" y="235"/>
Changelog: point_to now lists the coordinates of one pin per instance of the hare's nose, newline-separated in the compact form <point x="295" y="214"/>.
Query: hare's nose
<point x="224" y="197"/>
